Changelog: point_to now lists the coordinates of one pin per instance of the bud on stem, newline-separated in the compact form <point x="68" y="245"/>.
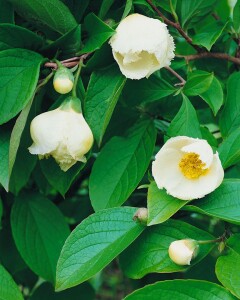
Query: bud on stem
<point x="63" y="80"/>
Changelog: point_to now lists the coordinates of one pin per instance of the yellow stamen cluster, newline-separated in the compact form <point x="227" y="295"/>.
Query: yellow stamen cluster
<point x="191" y="166"/>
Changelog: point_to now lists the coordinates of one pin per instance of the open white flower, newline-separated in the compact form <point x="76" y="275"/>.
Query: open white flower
<point x="183" y="251"/>
<point x="62" y="133"/>
<point x="187" y="168"/>
<point x="141" y="46"/>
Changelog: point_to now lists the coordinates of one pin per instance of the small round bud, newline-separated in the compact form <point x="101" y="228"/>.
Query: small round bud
<point x="63" y="80"/>
<point x="183" y="251"/>
<point x="141" y="215"/>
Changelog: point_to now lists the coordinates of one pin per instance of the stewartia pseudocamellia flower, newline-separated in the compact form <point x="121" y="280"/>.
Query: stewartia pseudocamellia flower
<point x="141" y="46"/>
<point x="62" y="133"/>
<point x="63" y="80"/>
<point x="183" y="251"/>
<point x="187" y="168"/>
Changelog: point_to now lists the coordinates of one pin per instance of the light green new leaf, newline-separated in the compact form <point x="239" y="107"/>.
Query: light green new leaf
<point x="39" y="231"/>
<point x="52" y="14"/>
<point x="102" y="94"/>
<point x="98" y="33"/>
<point x="8" y="288"/>
<point x="228" y="265"/>
<point x="13" y="36"/>
<point x="197" y="82"/>
<point x="181" y="289"/>
<point x="229" y="150"/>
<point x="95" y="243"/>
<point x="230" y="117"/>
<point x="213" y="96"/>
<point x="19" y="71"/>
<point x="149" y="253"/>
<point x="209" y="34"/>
<point x="121" y="165"/>
<point x="161" y="206"/>
<point x="185" y="122"/>
<point x="236" y="17"/>
<point x="223" y="203"/>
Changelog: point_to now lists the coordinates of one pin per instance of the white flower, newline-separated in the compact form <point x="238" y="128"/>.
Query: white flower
<point x="63" y="80"/>
<point x="141" y="45"/>
<point x="187" y="168"/>
<point x="62" y="133"/>
<point x="183" y="251"/>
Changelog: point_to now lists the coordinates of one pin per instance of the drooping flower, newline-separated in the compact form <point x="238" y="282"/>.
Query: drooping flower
<point x="62" y="133"/>
<point x="182" y="252"/>
<point x="187" y="168"/>
<point x="63" y="80"/>
<point x="141" y="46"/>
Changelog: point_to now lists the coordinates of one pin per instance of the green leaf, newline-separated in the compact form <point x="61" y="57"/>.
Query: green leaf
<point x="230" y="117"/>
<point x="52" y="14"/>
<point x="45" y="291"/>
<point x="149" y="253"/>
<point x="77" y="8"/>
<point x="98" y="33"/>
<point x="121" y="165"/>
<point x="128" y="8"/>
<point x="236" y="17"/>
<point x="147" y="90"/>
<point x="103" y="91"/>
<point x="60" y="180"/>
<point x="227" y="266"/>
<point x="105" y="6"/>
<point x="39" y="231"/>
<point x="192" y="11"/>
<point x="4" y="157"/>
<point x="13" y="36"/>
<point x="209" y="34"/>
<point x="94" y="244"/>
<point x="8" y="288"/>
<point x="213" y="96"/>
<point x="69" y="43"/>
<point x="181" y="289"/>
<point x="229" y="150"/>
<point x="185" y="122"/>
<point x="6" y="12"/>
<point x="223" y="203"/>
<point x="161" y="206"/>
<point x="19" y="75"/>
<point x="197" y="82"/>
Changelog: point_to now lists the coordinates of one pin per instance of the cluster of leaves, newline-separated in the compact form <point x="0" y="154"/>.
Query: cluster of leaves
<point x="130" y="121"/>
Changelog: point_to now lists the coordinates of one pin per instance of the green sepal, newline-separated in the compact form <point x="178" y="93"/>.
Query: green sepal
<point x="71" y="103"/>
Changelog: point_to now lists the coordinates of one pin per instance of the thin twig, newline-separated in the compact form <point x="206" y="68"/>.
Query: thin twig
<point x="223" y="56"/>
<point x="68" y="63"/>
<point x="175" y="25"/>
<point x="182" y="81"/>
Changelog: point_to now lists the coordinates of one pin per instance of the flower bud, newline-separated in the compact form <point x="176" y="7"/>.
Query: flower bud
<point x="141" y="46"/>
<point x="141" y="215"/>
<point x="63" y="80"/>
<point x="62" y="133"/>
<point x="182" y="252"/>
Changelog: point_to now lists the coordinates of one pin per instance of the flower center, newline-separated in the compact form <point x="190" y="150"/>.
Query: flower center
<point x="191" y="166"/>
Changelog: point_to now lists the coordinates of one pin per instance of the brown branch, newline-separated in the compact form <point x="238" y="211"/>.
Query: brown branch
<point x="224" y="56"/>
<point x="182" y="81"/>
<point x="68" y="63"/>
<point x="175" y="25"/>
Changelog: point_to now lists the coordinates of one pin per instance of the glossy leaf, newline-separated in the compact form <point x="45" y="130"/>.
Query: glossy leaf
<point x="228" y="263"/>
<point x="223" y="203"/>
<point x="52" y="14"/>
<point x="181" y="289"/>
<point x="185" y="122"/>
<point x="8" y="288"/>
<point x="19" y="70"/>
<point x="95" y="243"/>
<point x="121" y="165"/>
<point x="198" y="82"/>
<point x="98" y="33"/>
<point x="39" y="231"/>
<point x="161" y="206"/>
<point x="236" y="17"/>
<point x="102" y="94"/>
<point x="152" y="249"/>
<point x="230" y="117"/>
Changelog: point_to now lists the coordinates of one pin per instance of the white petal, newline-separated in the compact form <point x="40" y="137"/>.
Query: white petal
<point x="178" y="142"/>
<point x="203" y="149"/>
<point x="180" y="253"/>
